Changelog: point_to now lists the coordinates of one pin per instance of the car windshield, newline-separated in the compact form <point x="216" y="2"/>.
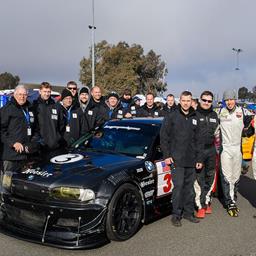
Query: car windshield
<point x="133" y="140"/>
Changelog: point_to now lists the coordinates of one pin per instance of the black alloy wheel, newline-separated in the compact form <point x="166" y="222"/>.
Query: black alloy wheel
<point x="124" y="213"/>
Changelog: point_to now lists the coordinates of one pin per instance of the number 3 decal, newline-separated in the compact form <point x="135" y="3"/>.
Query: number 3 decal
<point x="164" y="179"/>
<point x="168" y="186"/>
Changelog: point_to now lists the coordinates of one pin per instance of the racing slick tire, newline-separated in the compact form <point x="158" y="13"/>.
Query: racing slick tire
<point x="124" y="213"/>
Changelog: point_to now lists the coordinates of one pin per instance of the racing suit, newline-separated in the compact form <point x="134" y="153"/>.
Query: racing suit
<point x="208" y="120"/>
<point x="231" y="126"/>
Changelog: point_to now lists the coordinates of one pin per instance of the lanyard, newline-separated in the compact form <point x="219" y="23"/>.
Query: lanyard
<point x="27" y="117"/>
<point x="69" y="115"/>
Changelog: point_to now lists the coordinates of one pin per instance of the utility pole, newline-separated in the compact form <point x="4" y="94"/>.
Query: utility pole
<point x="92" y="28"/>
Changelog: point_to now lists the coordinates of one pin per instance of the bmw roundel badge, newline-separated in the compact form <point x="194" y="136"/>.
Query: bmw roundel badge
<point x="31" y="177"/>
<point x="149" y="166"/>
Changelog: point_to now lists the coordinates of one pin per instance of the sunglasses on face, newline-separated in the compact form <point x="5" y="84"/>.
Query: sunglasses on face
<point x="72" y="88"/>
<point x="208" y="101"/>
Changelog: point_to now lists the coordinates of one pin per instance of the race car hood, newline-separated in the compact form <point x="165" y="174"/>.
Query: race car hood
<point x="76" y="169"/>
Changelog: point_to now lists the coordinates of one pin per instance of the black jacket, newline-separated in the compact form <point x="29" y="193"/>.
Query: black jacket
<point x="101" y="108"/>
<point x="18" y="124"/>
<point x="126" y="103"/>
<point x="167" y="109"/>
<point x="144" y="111"/>
<point x="116" y="113"/>
<point x="75" y="123"/>
<point x="181" y="138"/>
<point x="209" y="122"/>
<point x="50" y="121"/>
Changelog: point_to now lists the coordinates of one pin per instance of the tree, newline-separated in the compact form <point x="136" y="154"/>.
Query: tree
<point x="243" y="93"/>
<point x="8" y="81"/>
<point x="120" y="66"/>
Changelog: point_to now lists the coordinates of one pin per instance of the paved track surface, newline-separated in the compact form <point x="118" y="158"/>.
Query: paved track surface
<point x="216" y="235"/>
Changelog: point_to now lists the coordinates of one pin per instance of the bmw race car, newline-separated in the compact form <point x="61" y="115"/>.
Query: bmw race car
<point x="103" y="189"/>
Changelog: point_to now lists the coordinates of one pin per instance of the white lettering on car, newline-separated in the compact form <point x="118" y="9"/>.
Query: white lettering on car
<point x="37" y="172"/>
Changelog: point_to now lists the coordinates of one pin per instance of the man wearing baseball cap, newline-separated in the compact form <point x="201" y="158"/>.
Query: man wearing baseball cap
<point x="233" y="119"/>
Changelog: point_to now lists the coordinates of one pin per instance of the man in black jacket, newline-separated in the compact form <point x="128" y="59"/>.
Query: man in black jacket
<point x="149" y="109"/>
<point x="182" y="149"/>
<point x="19" y="132"/>
<point x="90" y="112"/>
<point x="170" y="104"/>
<point x="50" y="121"/>
<point x="204" y="183"/>
<point x="115" y="109"/>
<point x="97" y="102"/>
<point x="74" y="120"/>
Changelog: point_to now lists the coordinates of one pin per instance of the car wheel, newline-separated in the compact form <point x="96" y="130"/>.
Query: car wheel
<point x="124" y="213"/>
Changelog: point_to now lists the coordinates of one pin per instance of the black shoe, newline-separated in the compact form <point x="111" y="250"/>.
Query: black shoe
<point x="176" y="221"/>
<point x="191" y="218"/>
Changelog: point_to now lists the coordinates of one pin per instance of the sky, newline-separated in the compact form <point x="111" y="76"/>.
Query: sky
<point x="44" y="40"/>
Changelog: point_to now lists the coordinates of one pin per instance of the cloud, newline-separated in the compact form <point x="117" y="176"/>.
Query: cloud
<point x="46" y="39"/>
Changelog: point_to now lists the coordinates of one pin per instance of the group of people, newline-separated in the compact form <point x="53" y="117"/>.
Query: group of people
<point x="48" y="125"/>
<point x="189" y="137"/>
<point x="190" y="140"/>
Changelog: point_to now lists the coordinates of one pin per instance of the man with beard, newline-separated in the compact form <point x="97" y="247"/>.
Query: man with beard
<point x="126" y="99"/>
<point x="209" y="123"/>
<point x="149" y="109"/>
<point x="90" y="112"/>
<point x="181" y="143"/>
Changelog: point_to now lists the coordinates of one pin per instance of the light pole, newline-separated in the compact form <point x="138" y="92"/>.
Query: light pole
<point x="237" y="51"/>
<point x="92" y="27"/>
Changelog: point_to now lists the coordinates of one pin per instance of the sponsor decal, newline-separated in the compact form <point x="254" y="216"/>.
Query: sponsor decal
<point x="147" y="183"/>
<point x="239" y="114"/>
<point x="54" y="117"/>
<point x="149" y="202"/>
<point x="67" y="158"/>
<point x="213" y="120"/>
<point x="139" y="170"/>
<point x="149" y="193"/>
<point x="194" y="121"/>
<point x="122" y="127"/>
<point x="148" y="177"/>
<point x="164" y="179"/>
<point x="37" y="172"/>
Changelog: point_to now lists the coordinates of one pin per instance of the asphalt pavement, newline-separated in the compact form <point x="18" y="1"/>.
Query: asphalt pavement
<point x="217" y="234"/>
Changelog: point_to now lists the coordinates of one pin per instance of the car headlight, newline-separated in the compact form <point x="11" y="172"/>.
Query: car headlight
<point x="70" y="193"/>
<point x="7" y="180"/>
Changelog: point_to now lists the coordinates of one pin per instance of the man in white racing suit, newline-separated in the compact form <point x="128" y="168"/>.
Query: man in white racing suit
<point x="233" y="119"/>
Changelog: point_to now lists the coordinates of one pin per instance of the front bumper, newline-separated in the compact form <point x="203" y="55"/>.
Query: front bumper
<point x="72" y="227"/>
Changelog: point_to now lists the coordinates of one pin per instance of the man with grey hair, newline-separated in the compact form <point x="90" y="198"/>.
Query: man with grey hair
<point x="18" y="130"/>
<point x="233" y="119"/>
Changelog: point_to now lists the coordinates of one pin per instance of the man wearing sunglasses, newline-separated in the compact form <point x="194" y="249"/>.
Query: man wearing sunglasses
<point x="72" y="87"/>
<point x="205" y="177"/>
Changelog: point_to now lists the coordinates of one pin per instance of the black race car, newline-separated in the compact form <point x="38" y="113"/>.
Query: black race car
<point x="103" y="189"/>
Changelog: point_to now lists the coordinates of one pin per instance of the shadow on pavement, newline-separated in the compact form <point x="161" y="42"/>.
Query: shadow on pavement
<point x="247" y="188"/>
